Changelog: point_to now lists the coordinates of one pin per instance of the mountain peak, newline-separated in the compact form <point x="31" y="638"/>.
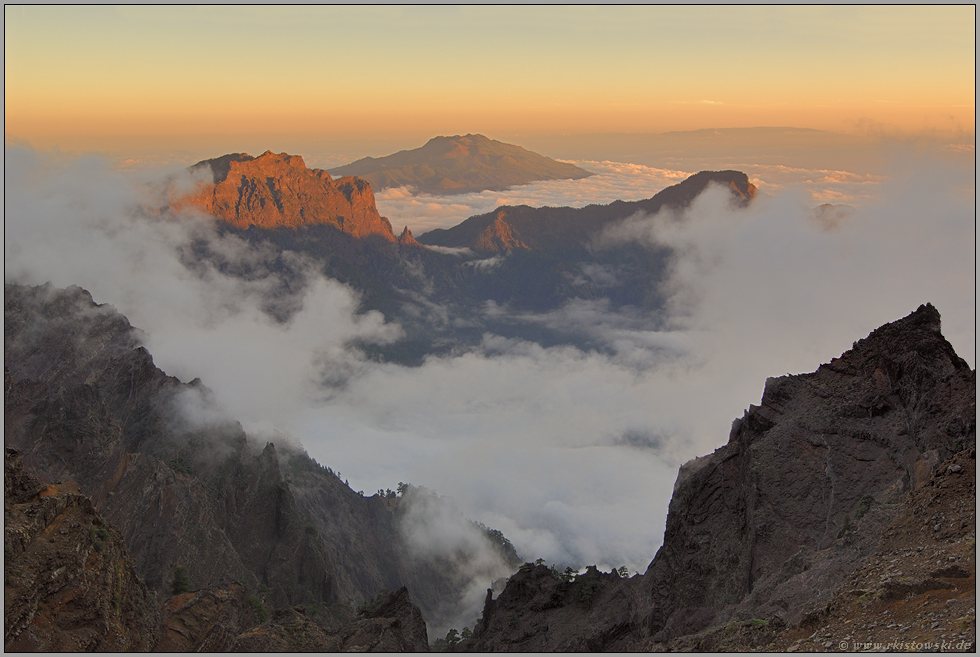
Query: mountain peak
<point x="460" y="164"/>
<point x="498" y="236"/>
<point x="407" y="239"/>
<point x="276" y="190"/>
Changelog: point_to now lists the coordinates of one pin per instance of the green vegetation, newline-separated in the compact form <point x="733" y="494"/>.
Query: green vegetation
<point x="313" y="606"/>
<point x="497" y="537"/>
<point x="364" y="606"/>
<point x="180" y="466"/>
<point x="258" y="607"/>
<point x="99" y="537"/>
<point x="864" y="505"/>
<point x="181" y="582"/>
<point x="566" y="575"/>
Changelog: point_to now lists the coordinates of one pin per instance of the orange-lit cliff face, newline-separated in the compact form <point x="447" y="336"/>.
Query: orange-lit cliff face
<point x="278" y="190"/>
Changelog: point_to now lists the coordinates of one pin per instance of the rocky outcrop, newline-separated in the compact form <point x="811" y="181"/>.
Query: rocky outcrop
<point x="407" y="239"/>
<point x="70" y="584"/>
<point x="389" y="623"/>
<point x="566" y="231"/>
<point x="498" y="237"/>
<point x="460" y="164"/>
<point x="278" y="191"/>
<point x="763" y="536"/>
<point x="206" y="620"/>
<point x="777" y="515"/>
<point x="542" y="610"/>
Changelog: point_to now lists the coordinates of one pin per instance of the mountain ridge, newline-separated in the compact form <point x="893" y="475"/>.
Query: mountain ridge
<point x="558" y="229"/>
<point x="84" y="402"/>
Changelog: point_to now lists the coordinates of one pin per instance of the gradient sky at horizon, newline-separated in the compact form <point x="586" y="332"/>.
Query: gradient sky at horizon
<point x="77" y="77"/>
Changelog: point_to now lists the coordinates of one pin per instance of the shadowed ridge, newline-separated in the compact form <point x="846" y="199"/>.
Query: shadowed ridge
<point x="564" y="228"/>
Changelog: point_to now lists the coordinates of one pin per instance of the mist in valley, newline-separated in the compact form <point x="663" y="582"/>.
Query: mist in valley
<point x="571" y="453"/>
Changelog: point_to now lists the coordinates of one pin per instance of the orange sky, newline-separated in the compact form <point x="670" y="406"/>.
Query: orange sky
<point x="83" y="76"/>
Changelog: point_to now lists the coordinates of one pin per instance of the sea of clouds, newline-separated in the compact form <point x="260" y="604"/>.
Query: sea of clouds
<point x="572" y="454"/>
<point x="615" y="181"/>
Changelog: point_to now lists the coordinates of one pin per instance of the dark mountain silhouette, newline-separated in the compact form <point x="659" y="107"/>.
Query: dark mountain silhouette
<point x="561" y="230"/>
<point x="459" y="164"/>
<point x="84" y="402"/>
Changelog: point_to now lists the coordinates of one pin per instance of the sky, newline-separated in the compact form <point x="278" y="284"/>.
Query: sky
<point x="571" y="454"/>
<point x="152" y="78"/>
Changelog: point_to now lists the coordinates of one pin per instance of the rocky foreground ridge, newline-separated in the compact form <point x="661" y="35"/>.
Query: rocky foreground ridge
<point x="176" y="494"/>
<point x="460" y="164"/>
<point x="842" y="509"/>
<point x="279" y="191"/>
<point x="70" y="585"/>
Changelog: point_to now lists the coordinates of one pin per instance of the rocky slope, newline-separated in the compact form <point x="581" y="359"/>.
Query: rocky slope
<point x="278" y="191"/>
<point x="70" y="584"/>
<point x="767" y="535"/>
<point x="459" y="164"/>
<point x="84" y="402"/>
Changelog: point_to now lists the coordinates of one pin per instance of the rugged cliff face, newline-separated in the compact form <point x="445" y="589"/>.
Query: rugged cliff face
<point x="84" y="402"/>
<point x="70" y="584"/>
<point x="278" y="191"/>
<point x="766" y="536"/>
<point x="794" y="501"/>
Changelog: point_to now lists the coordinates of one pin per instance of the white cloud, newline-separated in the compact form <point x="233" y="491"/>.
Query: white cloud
<point x="571" y="454"/>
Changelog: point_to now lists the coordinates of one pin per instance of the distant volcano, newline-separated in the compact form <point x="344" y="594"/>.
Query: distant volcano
<point x="460" y="164"/>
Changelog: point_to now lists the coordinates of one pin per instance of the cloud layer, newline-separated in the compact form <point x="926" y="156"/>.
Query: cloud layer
<point x="571" y="454"/>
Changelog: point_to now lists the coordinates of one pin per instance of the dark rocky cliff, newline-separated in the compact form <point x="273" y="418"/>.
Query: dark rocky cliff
<point x="84" y="402"/>
<point x="70" y="585"/>
<point x="770" y="530"/>
<point x="776" y="514"/>
<point x="69" y="582"/>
